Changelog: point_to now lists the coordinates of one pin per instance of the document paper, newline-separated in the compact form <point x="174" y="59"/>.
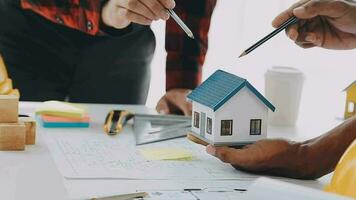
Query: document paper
<point x="88" y="156"/>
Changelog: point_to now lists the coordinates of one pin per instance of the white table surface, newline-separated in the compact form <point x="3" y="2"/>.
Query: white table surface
<point x="32" y="174"/>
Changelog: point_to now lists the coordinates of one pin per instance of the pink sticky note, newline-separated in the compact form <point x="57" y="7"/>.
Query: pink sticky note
<point x="46" y="118"/>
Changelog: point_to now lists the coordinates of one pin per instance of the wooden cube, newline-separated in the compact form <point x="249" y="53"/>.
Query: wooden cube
<point x="9" y="106"/>
<point x="12" y="136"/>
<point x="30" y="125"/>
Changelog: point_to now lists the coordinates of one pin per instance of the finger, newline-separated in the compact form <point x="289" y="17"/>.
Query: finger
<point x="314" y="8"/>
<point x="285" y="15"/>
<point x="229" y="155"/>
<point x="292" y="32"/>
<point x="169" y="4"/>
<point x="186" y="107"/>
<point x="118" y="19"/>
<point x="313" y="38"/>
<point x="162" y="107"/>
<point x="139" y="8"/>
<point x="305" y="45"/>
<point x="308" y="40"/>
<point x="137" y="18"/>
<point x="281" y="18"/>
<point x="157" y="8"/>
<point x="310" y="37"/>
<point x="210" y="149"/>
<point x="180" y="101"/>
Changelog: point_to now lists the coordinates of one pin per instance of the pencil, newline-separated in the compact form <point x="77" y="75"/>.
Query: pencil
<point x="287" y="23"/>
<point x="180" y="23"/>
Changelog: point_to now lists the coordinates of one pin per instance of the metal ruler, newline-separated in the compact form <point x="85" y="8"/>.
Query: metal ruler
<point x="155" y="128"/>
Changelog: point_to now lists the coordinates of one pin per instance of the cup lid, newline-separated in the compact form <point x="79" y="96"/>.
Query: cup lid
<point x="285" y="72"/>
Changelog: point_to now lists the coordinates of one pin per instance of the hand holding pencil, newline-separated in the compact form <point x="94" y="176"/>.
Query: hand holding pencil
<point x="283" y="26"/>
<point x="329" y="24"/>
<point x="121" y="13"/>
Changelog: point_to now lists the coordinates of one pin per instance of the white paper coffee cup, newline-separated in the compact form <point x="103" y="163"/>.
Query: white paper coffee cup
<point x="283" y="87"/>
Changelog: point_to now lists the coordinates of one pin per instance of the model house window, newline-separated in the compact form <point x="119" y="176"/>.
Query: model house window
<point x="255" y="126"/>
<point x="209" y="125"/>
<point x="196" y="119"/>
<point x="226" y="127"/>
<point x="351" y="107"/>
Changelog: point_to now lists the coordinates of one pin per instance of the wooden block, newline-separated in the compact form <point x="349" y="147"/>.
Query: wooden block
<point x="9" y="106"/>
<point x="12" y="136"/>
<point x="30" y="125"/>
<point x="194" y="139"/>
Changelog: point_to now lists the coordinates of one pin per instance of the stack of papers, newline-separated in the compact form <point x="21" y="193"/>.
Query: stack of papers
<point x="56" y="114"/>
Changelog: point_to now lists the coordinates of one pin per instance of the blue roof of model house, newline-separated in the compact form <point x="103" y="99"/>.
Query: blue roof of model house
<point x="220" y="87"/>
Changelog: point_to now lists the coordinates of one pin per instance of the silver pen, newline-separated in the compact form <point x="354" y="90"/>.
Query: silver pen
<point x="180" y="23"/>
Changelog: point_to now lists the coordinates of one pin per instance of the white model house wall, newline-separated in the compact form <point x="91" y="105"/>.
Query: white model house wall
<point x="241" y="108"/>
<point x="197" y="107"/>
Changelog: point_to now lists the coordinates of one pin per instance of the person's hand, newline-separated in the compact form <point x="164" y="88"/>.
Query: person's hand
<point x="120" y="13"/>
<point x="175" y="102"/>
<point x="329" y="24"/>
<point x="272" y="157"/>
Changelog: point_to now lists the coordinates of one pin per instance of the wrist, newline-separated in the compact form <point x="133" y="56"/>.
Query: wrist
<point x="296" y="162"/>
<point x="306" y="164"/>
<point x="320" y="155"/>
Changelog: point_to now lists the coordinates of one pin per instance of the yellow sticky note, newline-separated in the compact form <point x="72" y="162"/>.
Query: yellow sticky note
<point x="62" y="109"/>
<point x="166" y="153"/>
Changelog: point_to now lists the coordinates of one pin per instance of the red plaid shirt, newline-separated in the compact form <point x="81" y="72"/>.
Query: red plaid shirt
<point x="185" y="57"/>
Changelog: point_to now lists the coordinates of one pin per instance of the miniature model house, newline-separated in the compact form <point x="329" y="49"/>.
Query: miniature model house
<point x="228" y="110"/>
<point x="350" y="108"/>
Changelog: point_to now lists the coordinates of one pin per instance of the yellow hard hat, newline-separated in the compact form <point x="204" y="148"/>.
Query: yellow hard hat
<point x="343" y="181"/>
<point x="5" y="82"/>
<point x="3" y="72"/>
